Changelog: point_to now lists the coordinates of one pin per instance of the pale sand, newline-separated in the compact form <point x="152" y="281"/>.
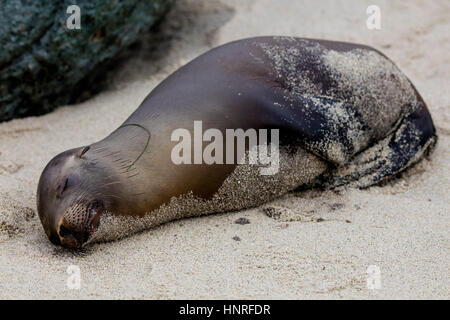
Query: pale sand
<point x="321" y="244"/>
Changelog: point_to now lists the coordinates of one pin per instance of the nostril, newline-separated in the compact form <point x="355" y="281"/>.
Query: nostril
<point x="68" y="238"/>
<point x="64" y="232"/>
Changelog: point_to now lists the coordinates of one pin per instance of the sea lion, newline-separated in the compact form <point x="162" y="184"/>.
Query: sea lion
<point x="345" y="114"/>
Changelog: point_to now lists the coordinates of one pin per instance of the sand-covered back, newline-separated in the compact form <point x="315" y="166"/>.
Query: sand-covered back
<point x="307" y="244"/>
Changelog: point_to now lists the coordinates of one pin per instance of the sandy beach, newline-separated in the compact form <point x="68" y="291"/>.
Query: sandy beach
<point x="318" y="245"/>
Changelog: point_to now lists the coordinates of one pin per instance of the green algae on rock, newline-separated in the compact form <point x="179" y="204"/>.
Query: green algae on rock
<point x="44" y="64"/>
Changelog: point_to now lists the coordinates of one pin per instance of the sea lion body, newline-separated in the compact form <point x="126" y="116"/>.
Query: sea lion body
<point x="345" y="114"/>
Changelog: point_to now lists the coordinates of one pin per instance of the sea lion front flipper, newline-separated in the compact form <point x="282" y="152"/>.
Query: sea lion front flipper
<point x="413" y="136"/>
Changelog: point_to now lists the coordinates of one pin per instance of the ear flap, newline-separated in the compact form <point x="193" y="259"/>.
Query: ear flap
<point x="83" y="151"/>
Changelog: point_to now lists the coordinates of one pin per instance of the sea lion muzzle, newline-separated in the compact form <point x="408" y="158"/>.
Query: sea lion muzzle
<point x="78" y="223"/>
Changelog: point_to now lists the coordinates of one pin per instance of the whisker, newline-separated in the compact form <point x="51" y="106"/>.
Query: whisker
<point x="110" y="183"/>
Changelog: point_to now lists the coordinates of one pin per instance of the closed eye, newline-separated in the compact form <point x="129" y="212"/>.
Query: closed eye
<point x="65" y="184"/>
<point x="62" y="187"/>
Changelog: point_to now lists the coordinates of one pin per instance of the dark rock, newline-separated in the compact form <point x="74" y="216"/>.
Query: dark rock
<point x="236" y="238"/>
<point x="43" y="64"/>
<point x="242" y="221"/>
<point x="336" y="206"/>
<point x="272" y="212"/>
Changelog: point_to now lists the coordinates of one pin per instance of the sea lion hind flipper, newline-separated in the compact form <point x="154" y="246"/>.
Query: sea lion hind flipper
<point x="329" y="128"/>
<point x="413" y="137"/>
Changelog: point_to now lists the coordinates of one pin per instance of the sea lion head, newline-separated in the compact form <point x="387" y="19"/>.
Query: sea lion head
<point x="70" y="199"/>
